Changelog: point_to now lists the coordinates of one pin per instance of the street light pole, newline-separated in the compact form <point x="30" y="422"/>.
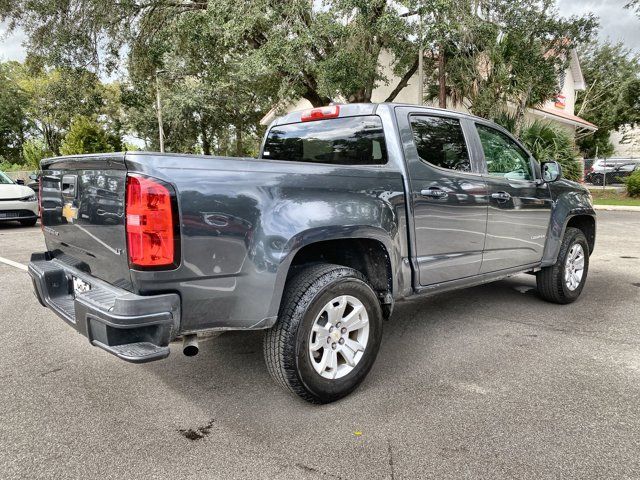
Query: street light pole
<point x="159" y="111"/>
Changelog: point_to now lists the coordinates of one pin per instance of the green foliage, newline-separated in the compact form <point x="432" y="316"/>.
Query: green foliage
<point x="612" y="97"/>
<point x="597" y="144"/>
<point x="130" y="147"/>
<point x="633" y="184"/>
<point x="14" y="123"/>
<point x="547" y="141"/>
<point x="56" y="96"/>
<point x="34" y="150"/>
<point x="85" y="136"/>
<point x="7" y="166"/>
<point x="227" y="63"/>
<point x="513" y="59"/>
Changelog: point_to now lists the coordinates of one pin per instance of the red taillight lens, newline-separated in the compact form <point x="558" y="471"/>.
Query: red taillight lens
<point x="150" y="227"/>
<point x="332" y="111"/>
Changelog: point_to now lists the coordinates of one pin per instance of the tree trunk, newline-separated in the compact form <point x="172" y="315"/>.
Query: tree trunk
<point x="315" y="98"/>
<point x="206" y="144"/>
<point x="521" y="110"/>
<point x="239" y="152"/>
<point x="442" y="84"/>
<point x="404" y="81"/>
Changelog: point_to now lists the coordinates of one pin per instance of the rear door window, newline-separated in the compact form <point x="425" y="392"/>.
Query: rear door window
<point x="338" y="141"/>
<point x="440" y="142"/>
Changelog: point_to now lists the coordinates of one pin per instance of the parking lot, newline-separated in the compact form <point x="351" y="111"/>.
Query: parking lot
<point x="489" y="382"/>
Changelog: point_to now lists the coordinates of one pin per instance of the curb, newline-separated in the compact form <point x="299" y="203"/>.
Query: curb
<point x="618" y="208"/>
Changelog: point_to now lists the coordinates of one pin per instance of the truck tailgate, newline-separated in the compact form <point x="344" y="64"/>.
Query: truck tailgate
<point x="83" y="218"/>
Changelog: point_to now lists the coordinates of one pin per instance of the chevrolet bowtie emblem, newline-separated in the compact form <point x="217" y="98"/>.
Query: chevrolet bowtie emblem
<point x="69" y="212"/>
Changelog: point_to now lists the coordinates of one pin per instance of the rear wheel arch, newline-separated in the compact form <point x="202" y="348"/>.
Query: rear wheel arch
<point x="367" y="255"/>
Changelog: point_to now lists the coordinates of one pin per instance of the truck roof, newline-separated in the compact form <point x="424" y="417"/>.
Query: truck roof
<point x="357" y="109"/>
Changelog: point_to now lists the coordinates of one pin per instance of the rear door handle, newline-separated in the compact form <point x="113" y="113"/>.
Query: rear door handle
<point x="433" y="192"/>
<point x="501" y="196"/>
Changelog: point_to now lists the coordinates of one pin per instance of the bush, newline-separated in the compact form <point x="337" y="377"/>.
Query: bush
<point x="7" y="166"/>
<point x="633" y="184"/>
<point x="550" y="142"/>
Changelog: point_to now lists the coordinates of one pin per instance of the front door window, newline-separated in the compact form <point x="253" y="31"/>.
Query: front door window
<point x="505" y="159"/>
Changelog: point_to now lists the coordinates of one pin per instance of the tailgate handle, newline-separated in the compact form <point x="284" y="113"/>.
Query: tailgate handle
<point x="69" y="184"/>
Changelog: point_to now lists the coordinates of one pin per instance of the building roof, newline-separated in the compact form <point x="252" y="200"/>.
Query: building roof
<point x="565" y="117"/>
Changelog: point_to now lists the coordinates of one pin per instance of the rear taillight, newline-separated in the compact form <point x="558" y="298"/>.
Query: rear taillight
<point x="332" y="111"/>
<point x="151" y="241"/>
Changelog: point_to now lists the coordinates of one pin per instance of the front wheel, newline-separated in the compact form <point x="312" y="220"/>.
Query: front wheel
<point x="328" y="333"/>
<point x="563" y="282"/>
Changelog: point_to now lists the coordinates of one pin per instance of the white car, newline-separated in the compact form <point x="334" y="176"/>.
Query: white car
<point x="17" y="202"/>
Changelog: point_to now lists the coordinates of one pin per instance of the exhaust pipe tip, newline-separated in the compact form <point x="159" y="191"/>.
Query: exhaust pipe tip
<point x="190" y="345"/>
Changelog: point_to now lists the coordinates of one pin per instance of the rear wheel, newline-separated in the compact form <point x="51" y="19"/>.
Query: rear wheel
<point x="327" y="335"/>
<point x="563" y="282"/>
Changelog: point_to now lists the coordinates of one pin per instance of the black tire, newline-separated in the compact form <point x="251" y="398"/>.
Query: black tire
<point x="286" y="345"/>
<point x="550" y="280"/>
<point x="28" y="223"/>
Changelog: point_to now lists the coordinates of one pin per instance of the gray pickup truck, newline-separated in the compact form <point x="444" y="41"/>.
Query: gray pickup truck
<point x="347" y="209"/>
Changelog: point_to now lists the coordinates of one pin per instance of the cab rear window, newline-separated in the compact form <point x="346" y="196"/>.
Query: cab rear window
<point x="338" y="141"/>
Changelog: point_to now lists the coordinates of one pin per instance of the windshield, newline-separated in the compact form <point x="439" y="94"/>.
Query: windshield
<point x="4" y="179"/>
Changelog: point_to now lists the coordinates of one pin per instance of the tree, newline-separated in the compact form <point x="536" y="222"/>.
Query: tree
<point x="85" y="136"/>
<point x="611" y="100"/>
<point x="634" y="5"/>
<point x="56" y="96"/>
<point x="34" y="150"/>
<point x="316" y="53"/>
<point x="14" y="124"/>
<point x="510" y="55"/>
<point x="226" y="64"/>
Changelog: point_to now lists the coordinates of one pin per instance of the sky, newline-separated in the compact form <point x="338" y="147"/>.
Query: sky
<point x="616" y="24"/>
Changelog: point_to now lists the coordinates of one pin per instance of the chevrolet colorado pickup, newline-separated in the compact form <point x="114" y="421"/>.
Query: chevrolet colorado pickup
<point x="347" y="210"/>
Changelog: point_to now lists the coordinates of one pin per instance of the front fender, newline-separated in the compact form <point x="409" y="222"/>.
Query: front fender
<point x="568" y="204"/>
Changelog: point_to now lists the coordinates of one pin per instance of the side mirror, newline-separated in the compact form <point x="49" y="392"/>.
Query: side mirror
<point x="20" y="182"/>
<point x="33" y="176"/>
<point x="551" y="171"/>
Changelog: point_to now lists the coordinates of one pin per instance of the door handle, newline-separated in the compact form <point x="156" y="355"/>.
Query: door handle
<point x="501" y="196"/>
<point x="434" y="192"/>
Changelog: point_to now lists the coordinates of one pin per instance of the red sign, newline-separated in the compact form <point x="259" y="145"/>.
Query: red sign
<point x="561" y="101"/>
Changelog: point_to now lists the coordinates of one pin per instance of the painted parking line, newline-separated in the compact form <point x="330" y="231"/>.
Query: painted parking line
<point x="13" y="264"/>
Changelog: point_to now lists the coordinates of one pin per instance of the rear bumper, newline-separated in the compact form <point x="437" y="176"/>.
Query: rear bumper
<point x="132" y="327"/>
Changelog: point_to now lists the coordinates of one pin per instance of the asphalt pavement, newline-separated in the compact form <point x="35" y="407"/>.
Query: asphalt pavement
<point x="489" y="382"/>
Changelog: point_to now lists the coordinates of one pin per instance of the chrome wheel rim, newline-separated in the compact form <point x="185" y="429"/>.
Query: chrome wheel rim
<point x="339" y="337"/>
<point x="574" y="267"/>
